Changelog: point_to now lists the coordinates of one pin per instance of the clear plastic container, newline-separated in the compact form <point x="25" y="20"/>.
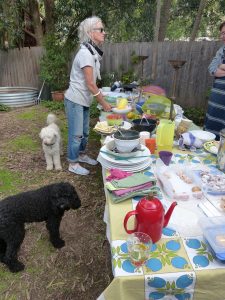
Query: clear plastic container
<point x="214" y="232"/>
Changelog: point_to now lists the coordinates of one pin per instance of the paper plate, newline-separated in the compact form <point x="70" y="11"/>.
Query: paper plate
<point x="122" y="111"/>
<point x="212" y="147"/>
<point x="204" y="136"/>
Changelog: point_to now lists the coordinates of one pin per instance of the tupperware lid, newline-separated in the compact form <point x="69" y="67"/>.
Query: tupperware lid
<point x="214" y="231"/>
<point x="221" y="256"/>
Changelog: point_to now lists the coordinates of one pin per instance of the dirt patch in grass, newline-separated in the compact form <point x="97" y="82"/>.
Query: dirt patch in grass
<point x="81" y="269"/>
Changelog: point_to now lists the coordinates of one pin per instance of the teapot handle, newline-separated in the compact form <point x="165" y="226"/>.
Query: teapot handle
<point x="128" y="215"/>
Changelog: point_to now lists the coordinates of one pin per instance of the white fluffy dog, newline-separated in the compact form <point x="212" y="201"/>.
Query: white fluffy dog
<point x="52" y="143"/>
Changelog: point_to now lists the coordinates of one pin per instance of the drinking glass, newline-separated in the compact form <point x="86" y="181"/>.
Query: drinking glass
<point x="139" y="246"/>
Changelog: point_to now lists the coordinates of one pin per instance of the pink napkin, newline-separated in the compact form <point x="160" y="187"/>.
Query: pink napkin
<point x="118" y="174"/>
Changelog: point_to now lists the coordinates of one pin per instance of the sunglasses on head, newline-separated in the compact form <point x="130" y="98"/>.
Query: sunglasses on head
<point x="99" y="29"/>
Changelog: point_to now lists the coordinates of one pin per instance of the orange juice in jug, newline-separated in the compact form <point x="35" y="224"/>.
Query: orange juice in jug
<point x="165" y="135"/>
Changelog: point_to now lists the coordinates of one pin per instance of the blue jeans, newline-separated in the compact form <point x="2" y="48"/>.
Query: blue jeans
<point x="78" y="129"/>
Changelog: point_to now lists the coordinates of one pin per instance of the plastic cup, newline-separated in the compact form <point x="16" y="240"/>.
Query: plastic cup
<point x="165" y="156"/>
<point x="139" y="246"/>
<point x="143" y="136"/>
<point x="151" y="144"/>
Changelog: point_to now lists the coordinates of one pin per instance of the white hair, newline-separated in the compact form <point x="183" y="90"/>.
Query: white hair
<point x="86" y="27"/>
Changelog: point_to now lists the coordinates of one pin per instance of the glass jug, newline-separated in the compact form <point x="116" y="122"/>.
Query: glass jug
<point x="221" y="151"/>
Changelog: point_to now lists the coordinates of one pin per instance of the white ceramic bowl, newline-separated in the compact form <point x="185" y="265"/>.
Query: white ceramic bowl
<point x="106" y="89"/>
<point x="126" y="145"/>
<point x="204" y="136"/>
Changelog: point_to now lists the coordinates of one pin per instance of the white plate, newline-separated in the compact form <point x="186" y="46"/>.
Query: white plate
<point x="138" y="168"/>
<point x="204" y="136"/>
<point x="212" y="146"/>
<point x="132" y="161"/>
<point x="111" y="149"/>
<point x="127" y="163"/>
<point x="122" y="111"/>
<point x="127" y="166"/>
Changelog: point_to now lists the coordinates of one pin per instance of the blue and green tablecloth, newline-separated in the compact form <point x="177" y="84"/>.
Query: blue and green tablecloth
<point x="179" y="268"/>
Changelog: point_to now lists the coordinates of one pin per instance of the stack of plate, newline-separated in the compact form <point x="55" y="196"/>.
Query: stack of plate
<point x="135" y="163"/>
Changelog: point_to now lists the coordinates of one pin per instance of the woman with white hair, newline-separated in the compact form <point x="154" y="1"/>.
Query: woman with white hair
<point x="78" y="98"/>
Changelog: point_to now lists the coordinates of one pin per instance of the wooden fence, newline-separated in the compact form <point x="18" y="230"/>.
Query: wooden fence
<point x="21" y="67"/>
<point x="193" y="79"/>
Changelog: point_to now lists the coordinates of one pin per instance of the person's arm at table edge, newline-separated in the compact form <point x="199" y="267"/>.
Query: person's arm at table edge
<point x="216" y="68"/>
<point x="92" y="87"/>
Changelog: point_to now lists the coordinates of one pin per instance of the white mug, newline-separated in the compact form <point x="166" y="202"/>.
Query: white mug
<point x="143" y="136"/>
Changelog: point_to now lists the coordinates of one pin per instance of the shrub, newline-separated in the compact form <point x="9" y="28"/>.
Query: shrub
<point x="196" y="114"/>
<point x="94" y="111"/>
<point x="54" y="64"/>
<point x="4" y="107"/>
<point x="53" y="105"/>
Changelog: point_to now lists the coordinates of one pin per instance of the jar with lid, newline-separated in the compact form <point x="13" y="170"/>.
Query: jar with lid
<point x="221" y="151"/>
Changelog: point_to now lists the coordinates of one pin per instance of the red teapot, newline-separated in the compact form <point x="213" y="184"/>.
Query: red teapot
<point x="150" y="217"/>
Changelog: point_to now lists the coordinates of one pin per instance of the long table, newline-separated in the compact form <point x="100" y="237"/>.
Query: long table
<point x="179" y="267"/>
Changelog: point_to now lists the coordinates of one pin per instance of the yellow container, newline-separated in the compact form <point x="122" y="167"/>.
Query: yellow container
<point x="165" y="135"/>
<point x="121" y="103"/>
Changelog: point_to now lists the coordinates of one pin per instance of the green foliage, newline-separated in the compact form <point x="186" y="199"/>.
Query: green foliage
<point x="12" y="22"/>
<point x="129" y="76"/>
<point x="196" y="114"/>
<point x="4" y="107"/>
<point x="28" y="115"/>
<point x="131" y="21"/>
<point x="54" y="64"/>
<point x="108" y="79"/>
<point x="183" y="14"/>
<point x="93" y="135"/>
<point x="9" y="181"/>
<point x="23" y="143"/>
<point x="134" y="58"/>
<point x="53" y="105"/>
<point x="94" y="111"/>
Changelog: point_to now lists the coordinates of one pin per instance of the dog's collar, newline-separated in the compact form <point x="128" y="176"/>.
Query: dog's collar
<point x="49" y="145"/>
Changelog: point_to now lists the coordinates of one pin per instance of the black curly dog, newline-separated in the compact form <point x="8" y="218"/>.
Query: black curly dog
<point x="45" y="204"/>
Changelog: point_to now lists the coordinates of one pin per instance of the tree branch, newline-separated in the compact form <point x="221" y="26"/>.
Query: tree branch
<point x="29" y="33"/>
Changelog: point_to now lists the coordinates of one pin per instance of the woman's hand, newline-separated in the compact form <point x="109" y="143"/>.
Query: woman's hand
<point x="106" y="106"/>
<point x="222" y="67"/>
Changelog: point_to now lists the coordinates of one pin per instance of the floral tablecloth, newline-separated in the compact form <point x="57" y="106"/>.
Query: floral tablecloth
<point x="179" y="268"/>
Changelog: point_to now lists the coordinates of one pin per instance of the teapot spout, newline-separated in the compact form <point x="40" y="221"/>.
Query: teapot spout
<point x="169" y="213"/>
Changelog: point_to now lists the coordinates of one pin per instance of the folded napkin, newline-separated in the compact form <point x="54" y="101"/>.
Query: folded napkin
<point x="117" y="199"/>
<point x="118" y="174"/>
<point x="131" y="181"/>
<point x="131" y="189"/>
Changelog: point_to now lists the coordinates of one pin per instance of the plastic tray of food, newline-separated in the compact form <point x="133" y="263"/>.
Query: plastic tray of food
<point x="176" y="182"/>
<point x="211" y="180"/>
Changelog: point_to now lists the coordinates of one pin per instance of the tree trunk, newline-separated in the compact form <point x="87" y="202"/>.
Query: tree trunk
<point x="34" y="11"/>
<point x="165" y="14"/>
<point x="49" y="16"/>
<point x="198" y="19"/>
<point x="155" y="43"/>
